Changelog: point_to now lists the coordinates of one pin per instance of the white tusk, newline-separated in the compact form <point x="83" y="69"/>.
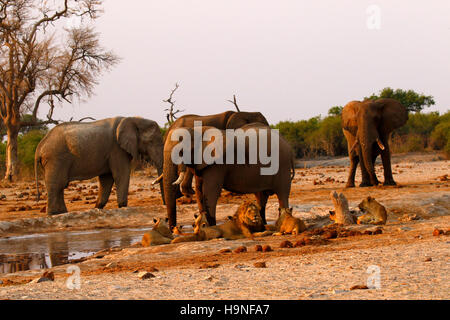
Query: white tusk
<point x="380" y="144"/>
<point x="354" y="145"/>
<point x="180" y="179"/>
<point x="157" y="180"/>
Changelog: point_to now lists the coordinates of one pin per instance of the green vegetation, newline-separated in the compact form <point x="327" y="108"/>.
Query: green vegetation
<point x="413" y="101"/>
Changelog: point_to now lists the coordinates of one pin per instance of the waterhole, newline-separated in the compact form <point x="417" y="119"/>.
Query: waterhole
<point x="42" y="251"/>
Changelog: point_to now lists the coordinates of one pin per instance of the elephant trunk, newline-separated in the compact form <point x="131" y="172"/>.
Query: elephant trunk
<point x="366" y="141"/>
<point x="170" y="190"/>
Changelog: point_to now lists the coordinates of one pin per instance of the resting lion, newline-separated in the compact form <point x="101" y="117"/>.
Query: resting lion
<point x="245" y="223"/>
<point x="160" y="234"/>
<point x="198" y="235"/>
<point x="287" y="223"/>
<point x="375" y="213"/>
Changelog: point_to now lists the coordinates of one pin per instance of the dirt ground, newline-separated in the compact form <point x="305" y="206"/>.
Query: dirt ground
<point x="411" y="262"/>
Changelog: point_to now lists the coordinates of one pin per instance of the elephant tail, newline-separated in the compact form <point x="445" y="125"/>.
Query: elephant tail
<point x="37" y="161"/>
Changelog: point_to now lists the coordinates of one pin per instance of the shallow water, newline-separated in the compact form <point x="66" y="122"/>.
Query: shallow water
<point x="41" y="251"/>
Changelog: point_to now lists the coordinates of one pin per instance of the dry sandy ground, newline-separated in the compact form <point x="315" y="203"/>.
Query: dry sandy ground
<point x="413" y="264"/>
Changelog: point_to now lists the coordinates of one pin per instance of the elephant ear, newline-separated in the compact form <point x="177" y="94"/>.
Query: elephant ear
<point x="393" y="113"/>
<point x="127" y="136"/>
<point x="239" y="119"/>
<point x="349" y="112"/>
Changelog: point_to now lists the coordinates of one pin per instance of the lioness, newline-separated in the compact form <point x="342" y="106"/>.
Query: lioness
<point x="198" y="235"/>
<point x="287" y="223"/>
<point x="160" y="234"/>
<point x="375" y="212"/>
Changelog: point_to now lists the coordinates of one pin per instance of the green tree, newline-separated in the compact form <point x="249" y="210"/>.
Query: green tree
<point x="335" y="111"/>
<point x="413" y="101"/>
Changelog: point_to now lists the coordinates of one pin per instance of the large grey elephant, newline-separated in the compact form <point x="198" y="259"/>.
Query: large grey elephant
<point x="367" y="126"/>
<point x="235" y="176"/>
<point x="225" y="120"/>
<point x="77" y="151"/>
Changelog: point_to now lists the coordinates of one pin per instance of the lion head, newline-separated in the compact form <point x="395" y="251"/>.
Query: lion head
<point x="285" y="210"/>
<point x="162" y="227"/>
<point x="199" y="219"/>
<point x="249" y="214"/>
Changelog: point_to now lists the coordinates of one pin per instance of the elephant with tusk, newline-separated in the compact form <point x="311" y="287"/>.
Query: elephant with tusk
<point x="224" y="120"/>
<point x="260" y="177"/>
<point x="104" y="149"/>
<point x="367" y="126"/>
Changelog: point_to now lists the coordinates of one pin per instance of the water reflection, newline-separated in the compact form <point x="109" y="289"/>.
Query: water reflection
<point x="41" y="251"/>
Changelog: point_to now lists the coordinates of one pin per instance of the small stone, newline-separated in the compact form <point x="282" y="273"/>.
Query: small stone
<point x="286" y="244"/>
<point x="225" y="250"/>
<point x="111" y="265"/>
<point x="428" y="259"/>
<point x="209" y="266"/>
<point x="258" y="247"/>
<point x="240" y="249"/>
<point x="437" y="232"/>
<point x="143" y="275"/>
<point x="260" y="264"/>
<point x="359" y="287"/>
<point x="266" y="248"/>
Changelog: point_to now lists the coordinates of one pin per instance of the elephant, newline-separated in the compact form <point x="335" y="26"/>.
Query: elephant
<point x="225" y="120"/>
<point x="245" y="177"/>
<point x="77" y="151"/>
<point x="367" y="126"/>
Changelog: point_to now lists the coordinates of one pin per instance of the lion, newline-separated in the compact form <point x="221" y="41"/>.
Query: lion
<point x="160" y="234"/>
<point x="245" y="223"/>
<point x="287" y="223"/>
<point x="198" y="235"/>
<point x="177" y="230"/>
<point x="376" y="213"/>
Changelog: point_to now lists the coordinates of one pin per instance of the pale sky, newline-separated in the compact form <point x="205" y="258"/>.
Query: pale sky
<point x="289" y="59"/>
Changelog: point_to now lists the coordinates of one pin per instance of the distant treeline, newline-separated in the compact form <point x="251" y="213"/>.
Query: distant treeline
<point x="318" y="136"/>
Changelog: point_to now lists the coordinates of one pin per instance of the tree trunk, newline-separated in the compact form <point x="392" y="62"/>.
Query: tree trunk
<point x="11" y="153"/>
<point x="343" y="215"/>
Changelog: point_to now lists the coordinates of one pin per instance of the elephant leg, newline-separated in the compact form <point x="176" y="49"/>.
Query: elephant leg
<point x="106" y="182"/>
<point x="199" y="193"/>
<point x="386" y="158"/>
<point x="186" y="184"/>
<point x="55" y="182"/>
<point x="121" y="169"/>
<point x="364" y="173"/>
<point x="261" y="198"/>
<point x="211" y="189"/>
<point x="351" y="176"/>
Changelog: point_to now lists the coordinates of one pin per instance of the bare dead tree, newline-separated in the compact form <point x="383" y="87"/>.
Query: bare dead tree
<point x="235" y="103"/>
<point x="35" y="67"/>
<point x="171" y="114"/>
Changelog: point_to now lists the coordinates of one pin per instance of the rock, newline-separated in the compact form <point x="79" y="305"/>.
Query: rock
<point x="286" y="244"/>
<point x="2" y="197"/>
<point x="437" y="232"/>
<point x="47" y="276"/>
<point x="227" y="250"/>
<point x="428" y="259"/>
<point x="209" y="266"/>
<point x="240" y="249"/>
<point x="330" y="234"/>
<point x="111" y="265"/>
<point x="258" y="247"/>
<point x="359" y="287"/>
<point x="260" y="264"/>
<point x="266" y="248"/>
<point x="143" y="275"/>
